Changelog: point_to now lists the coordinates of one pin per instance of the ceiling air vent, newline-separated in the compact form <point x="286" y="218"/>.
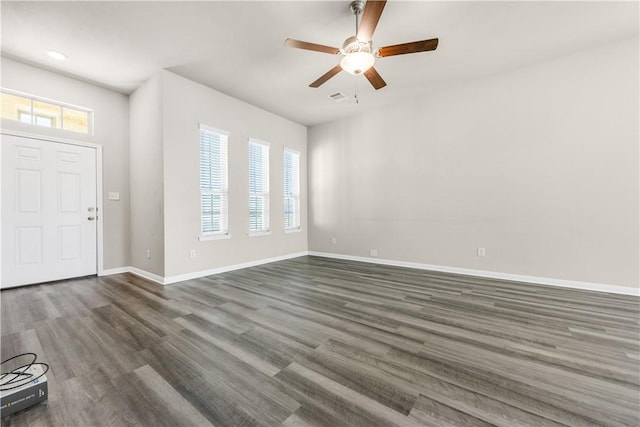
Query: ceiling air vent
<point x="338" y="96"/>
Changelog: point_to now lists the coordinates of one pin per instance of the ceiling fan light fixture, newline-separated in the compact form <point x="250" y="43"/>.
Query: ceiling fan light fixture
<point x="357" y="62"/>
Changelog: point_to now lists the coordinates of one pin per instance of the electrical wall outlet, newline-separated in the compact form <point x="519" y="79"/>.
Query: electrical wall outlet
<point x="482" y="252"/>
<point x="192" y="253"/>
<point x="148" y="253"/>
<point x="334" y="240"/>
<point x="373" y="252"/>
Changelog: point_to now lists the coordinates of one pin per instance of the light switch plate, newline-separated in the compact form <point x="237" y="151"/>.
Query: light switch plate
<point x="114" y="195"/>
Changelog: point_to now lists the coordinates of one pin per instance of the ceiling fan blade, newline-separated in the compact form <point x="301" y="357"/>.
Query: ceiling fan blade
<point x="311" y="46"/>
<point x="370" y="17"/>
<point x="326" y="76"/>
<point x="413" y="47"/>
<point x="374" y="78"/>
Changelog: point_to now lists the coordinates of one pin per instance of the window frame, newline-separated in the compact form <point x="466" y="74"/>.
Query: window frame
<point x="296" y="195"/>
<point x="264" y="195"/>
<point x="224" y="233"/>
<point x="62" y="105"/>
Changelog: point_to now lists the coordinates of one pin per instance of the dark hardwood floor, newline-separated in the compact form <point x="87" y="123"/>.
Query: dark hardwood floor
<point x="313" y="341"/>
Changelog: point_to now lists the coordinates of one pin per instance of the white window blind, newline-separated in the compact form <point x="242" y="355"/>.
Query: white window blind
<point x="258" y="186"/>
<point x="214" y="197"/>
<point x="291" y="190"/>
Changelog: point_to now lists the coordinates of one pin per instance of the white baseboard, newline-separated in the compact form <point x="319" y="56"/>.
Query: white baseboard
<point x="110" y="271"/>
<point x="197" y="274"/>
<point x="588" y="286"/>
<point x="150" y="276"/>
<point x="137" y="271"/>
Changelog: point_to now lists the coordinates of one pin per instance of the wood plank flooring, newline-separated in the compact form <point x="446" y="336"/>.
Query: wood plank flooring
<point x="314" y="341"/>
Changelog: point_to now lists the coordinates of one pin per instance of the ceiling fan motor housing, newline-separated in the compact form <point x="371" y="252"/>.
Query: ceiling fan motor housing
<point x="352" y="44"/>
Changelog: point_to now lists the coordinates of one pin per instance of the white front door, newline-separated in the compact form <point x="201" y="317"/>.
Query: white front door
<point x="49" y="213"/>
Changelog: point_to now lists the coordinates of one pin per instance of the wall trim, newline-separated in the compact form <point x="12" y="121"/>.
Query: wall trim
<point x="145" y="274"/>
<point x="134" y="270"/>
<point x="110" y="271"/>
<point x="198" y="274"/>
<point x="204" y="273"/>
<point x="587" y="286"/>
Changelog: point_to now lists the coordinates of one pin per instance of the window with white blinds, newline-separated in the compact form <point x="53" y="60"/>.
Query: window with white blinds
<point x="258" y="187"/>
<point x="214" y="197"/>
<point x="291" y="190"/>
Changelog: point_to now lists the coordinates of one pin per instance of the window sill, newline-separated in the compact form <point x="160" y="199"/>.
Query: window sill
<point x="259" y="233"/>
<point x="293" y="230"/>
<point x="205" y="237"/>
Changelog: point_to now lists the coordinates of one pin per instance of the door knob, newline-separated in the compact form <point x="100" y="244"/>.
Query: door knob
<point x="90" y="209"/>
<point x="91" y="218"/>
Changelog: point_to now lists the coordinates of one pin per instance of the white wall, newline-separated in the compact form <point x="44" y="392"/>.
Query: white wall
<point x="540" y="166"/>
<point x="185" y="105"/>
<point x="150" y="155"/>
<point x="146" y="172"/>
<point x="110" y="131"/>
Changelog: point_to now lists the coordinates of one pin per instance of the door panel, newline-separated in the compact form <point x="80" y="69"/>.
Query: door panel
<point x="69" y="242"/>
<point x="28" y="191"/>
<point x="49" y="222"/>
<point x="28" y="245"/>
<point x="68" y="193"/>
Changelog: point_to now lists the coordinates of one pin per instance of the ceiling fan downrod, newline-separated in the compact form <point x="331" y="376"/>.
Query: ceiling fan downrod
<point x="357" y="6"/>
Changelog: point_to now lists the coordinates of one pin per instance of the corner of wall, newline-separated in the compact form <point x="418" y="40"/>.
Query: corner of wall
<point x="146" y="177"/>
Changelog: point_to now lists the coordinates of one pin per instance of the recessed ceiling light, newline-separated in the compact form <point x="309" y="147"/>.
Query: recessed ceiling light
<point x="56" y="55"/>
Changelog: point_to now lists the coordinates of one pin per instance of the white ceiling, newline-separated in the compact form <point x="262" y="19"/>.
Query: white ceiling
<point x="237" y="47"/>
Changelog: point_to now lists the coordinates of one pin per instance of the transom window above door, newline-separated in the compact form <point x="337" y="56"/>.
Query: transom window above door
<point x="46" y="113"/>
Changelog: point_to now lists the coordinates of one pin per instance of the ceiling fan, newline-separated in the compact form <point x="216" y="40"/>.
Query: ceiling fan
<point x="358" y="52"/>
